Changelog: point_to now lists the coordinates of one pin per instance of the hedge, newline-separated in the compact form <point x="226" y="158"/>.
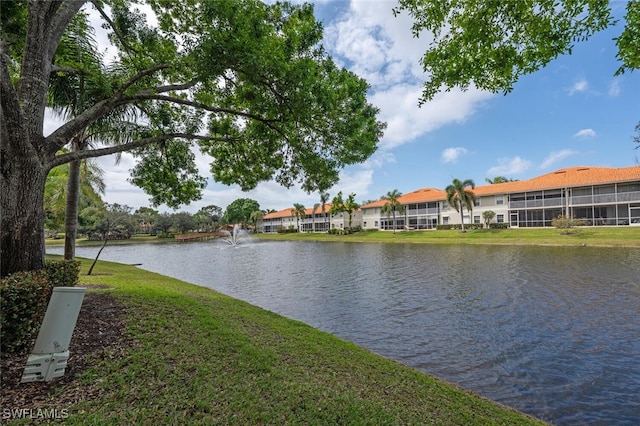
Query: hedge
<point x="24" y="297"/>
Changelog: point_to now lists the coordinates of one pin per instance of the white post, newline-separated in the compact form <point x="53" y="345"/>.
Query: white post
<point x="48" y="359"/>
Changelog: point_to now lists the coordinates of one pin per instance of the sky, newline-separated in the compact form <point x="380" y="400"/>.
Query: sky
<point x="574" y="112"/>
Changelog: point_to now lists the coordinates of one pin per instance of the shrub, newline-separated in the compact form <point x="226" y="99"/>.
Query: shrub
<point x="566" y="223"/>
<point x="283" y="230"/>
<point x="23" y="301"/>
<point x="63" y="273"/>
<point x="24" y="297"/>
<point x="502" y="225"/>
<point x="448" y="227"/>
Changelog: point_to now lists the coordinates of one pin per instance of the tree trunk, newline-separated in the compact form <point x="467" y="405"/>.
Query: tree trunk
<point x="71" y="211"/>
<point x="394" y="221"/>
<point x="21" y="214"/>
<point x="104" y="243"/>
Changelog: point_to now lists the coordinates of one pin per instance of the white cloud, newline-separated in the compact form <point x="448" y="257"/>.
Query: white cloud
<point x="509" y="166"/>
<point x="406" y="122"/>
<point x="379" y="47"/>
<point x="579" y="86"/>
<point x="451" y="155"/>
<point x="585" y="133"/>
<point x="556" y="157"/>
<point x="614" y="88"/>
<point x="378" y="159"/>
<point x="376" y="45"/>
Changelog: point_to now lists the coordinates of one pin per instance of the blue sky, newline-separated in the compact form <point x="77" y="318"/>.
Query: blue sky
<point x="573" y="112"/>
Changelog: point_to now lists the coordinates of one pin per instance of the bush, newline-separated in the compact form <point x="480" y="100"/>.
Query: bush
<point x="23" y="300"/>
<point x="24" y="297"/>
<point x="502" y="225"/>
<point x="448" y="227"/>
<point x="566" y="223"/>
<point x="63" y="273"/>
<point x="283" y="230"/>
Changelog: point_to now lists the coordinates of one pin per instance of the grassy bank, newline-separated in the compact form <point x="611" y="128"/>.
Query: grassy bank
<point x="204" y="358"/>
<point x="601" y="237"/>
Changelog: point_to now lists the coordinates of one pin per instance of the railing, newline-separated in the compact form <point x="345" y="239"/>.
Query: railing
<point x="606" y="198"/>
<point x="414" y="212"/>
<point x="629" y="196"/>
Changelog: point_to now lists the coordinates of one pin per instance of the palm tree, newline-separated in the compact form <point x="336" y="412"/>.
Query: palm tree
<point x="350" y="206"/>
<point x="392" y="205"/>
<point x="460" y="197"/>
<point x="324" y="197"/>
<point x="298" y="212"/>
<point x="71" y="92"/>
<point x="91" y="185"/>
<point x="255" y="218"/>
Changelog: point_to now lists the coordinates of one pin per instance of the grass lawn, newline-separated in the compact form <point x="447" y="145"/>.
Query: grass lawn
<point x="596" y="236"/>
<point x="199" y="357"/>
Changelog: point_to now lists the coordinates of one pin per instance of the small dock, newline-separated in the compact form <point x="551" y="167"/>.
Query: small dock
<point x="196" y="236"/>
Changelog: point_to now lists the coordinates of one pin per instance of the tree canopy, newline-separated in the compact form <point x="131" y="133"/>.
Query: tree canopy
<point x="245" y="82"/>
<point x="491" y="44"/>
<point x="240" y="210"/>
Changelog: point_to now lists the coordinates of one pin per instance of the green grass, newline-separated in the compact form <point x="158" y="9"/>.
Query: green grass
<point x="204" y="358"/>
<point x="601" y="236"/>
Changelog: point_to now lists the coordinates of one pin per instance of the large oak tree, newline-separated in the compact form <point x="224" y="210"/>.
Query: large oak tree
<point x="245" y="82"/>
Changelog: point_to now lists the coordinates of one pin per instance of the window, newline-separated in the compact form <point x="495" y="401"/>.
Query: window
<point x="476" y="202"/>
<point x="500" y="218"/>
<point x="445" y="220"/>
<point x="499" y="200"/>
<point x="476" y="219"/>
<point x="375" y="224"/>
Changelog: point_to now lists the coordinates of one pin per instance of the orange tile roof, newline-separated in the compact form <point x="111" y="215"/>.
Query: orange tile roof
<point x="423" y="195"/>
<point x="418" y="196"/>
<point x="563" y="178"/>
<point x="287" y="212"/>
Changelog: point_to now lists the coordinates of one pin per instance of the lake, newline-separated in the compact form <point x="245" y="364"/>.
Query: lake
<point x="551" y="331"/>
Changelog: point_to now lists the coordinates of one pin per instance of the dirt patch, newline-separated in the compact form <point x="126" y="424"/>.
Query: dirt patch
<point x="99" y="333"/>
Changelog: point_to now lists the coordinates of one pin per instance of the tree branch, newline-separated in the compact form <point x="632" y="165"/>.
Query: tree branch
<point x="106" y="17"/>
<point x="63" y="134"/>
<point x="59" y="23"/>
<point x="81" y="155"/>
<point x="186" y="102"/>
<point x="170" y="87"/>
<point x="69" y="70"/>
<point x="140" y="75"/>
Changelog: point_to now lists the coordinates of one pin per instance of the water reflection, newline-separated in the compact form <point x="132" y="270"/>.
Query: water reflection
<point x="550" y="331"/>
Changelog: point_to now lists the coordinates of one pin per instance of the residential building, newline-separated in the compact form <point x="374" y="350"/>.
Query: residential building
<point x="313" y="221"/>
<point x="598" y="195"/>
